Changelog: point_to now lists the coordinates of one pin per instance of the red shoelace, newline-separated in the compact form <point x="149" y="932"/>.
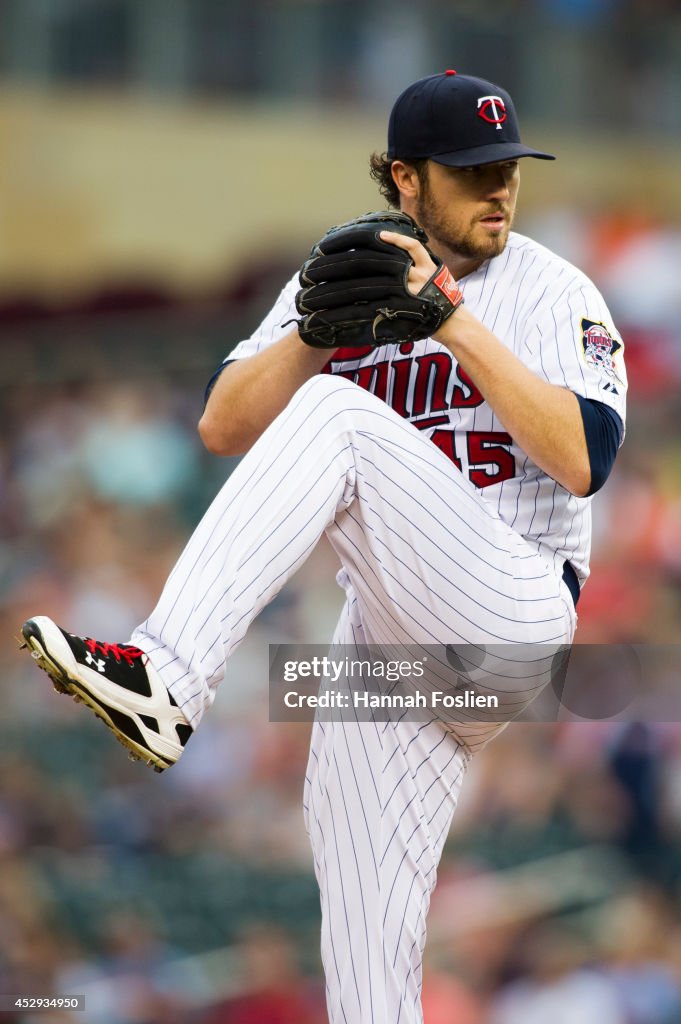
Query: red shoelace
<point x="126" y="651"/>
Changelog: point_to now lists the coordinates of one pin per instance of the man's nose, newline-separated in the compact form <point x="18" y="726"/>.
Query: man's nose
<point x="497" y="186"/>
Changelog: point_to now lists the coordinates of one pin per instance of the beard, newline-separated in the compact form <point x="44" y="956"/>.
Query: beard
<point x="466" y="240"/>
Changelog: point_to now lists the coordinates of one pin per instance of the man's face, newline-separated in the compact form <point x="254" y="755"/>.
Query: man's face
<point x="469" y="210"/>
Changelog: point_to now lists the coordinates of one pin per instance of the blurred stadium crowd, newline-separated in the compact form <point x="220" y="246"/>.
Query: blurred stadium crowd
<point x="189" y="897"/>
<point x="357" y="52"/>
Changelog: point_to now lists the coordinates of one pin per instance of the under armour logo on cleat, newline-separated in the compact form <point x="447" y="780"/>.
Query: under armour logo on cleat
<point x="99" y="663"/>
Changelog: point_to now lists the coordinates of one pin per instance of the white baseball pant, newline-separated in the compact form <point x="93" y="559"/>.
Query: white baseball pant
<point x="425" y="561"/>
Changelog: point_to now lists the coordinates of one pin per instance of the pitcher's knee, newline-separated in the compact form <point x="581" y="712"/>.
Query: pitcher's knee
<point x="328" y="395"/>
<point x="324" y="384"/>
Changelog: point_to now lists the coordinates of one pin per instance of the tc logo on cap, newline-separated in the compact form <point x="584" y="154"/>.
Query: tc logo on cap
<point x="492" y="109"/>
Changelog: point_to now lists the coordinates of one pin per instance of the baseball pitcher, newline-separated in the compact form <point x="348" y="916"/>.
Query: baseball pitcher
<point x="441" y="396"/>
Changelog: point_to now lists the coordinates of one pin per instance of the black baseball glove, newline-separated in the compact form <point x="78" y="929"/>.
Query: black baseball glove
<point x="354" y="287"/>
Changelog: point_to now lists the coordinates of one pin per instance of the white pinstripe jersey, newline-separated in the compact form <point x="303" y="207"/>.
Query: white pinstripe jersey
<point x="555" y="320"/>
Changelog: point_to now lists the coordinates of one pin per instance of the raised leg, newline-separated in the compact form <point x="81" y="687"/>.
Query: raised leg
<point x="427" y="559"/>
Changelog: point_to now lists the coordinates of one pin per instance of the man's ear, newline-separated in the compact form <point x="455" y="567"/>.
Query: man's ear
<point x="406" y="178"/>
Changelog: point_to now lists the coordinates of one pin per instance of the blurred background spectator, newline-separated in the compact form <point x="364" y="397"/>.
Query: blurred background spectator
<point x="166" y="165"/>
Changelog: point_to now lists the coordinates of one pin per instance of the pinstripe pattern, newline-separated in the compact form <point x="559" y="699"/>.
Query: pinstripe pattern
<point x="534" y="302"/>
<point x="379" y="799"/>
<point x="426" y="561"/>
<point x="338" y="460"/>
<point x="427" y="558"/>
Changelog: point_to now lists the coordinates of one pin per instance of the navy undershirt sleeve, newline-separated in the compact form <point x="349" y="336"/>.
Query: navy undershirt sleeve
<point x="211" y="383"/>
<point x="603" y="430"/>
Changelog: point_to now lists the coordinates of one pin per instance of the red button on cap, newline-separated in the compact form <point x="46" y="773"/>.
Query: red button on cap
<point x="450" y="72"/>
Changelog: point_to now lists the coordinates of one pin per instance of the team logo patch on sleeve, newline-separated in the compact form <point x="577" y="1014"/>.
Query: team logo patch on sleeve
<point x="600" y="349"/>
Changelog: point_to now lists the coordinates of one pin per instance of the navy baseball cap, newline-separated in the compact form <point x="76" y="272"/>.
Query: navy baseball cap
<point x="456" y="120"/>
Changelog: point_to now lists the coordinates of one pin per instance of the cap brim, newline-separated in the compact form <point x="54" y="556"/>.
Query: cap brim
<point x="488" y="155"/>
